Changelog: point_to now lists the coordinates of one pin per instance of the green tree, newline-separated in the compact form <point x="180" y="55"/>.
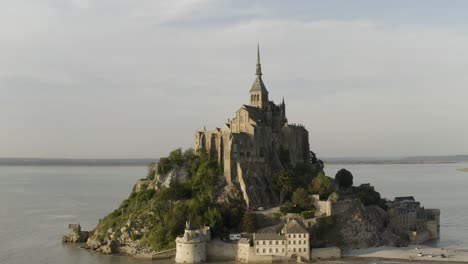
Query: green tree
<point x="368" y="195"/>
<point x="283" y="182"/>
<point x="249" y="223"/>
<point x="152" y="167"/>
<point x="344" y="178"/>
<point x="176" y="157"/>
<point x="301" y="198"/>
<point x="321" y="185"/>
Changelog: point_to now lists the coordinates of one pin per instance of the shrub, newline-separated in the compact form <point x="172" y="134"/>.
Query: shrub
<point x="308" y="214"/>
<point x="249" y="223"/>
<point x="321" y="185"/>
<point x="344" y="178"/>
<point x="302" y="199"/>
<point x="289" y="207"/>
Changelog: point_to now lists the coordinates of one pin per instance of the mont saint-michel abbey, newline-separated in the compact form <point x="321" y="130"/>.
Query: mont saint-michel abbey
<point x="252" y="144"/>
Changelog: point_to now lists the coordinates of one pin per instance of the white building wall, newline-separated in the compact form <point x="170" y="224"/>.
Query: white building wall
<point x="299" y="245"/>
<point x="270" y="247"/>
<point x="190" y="252"/>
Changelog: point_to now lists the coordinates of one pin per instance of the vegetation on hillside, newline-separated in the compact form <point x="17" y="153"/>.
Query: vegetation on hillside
<point x="165" y="211"/>
<point x="344" y="179"/>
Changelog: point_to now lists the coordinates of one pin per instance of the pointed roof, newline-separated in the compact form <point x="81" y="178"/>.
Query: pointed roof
<point x="258" y="84"/>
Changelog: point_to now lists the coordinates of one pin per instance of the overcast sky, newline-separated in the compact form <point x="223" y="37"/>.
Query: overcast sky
<point x="133" y="79"/>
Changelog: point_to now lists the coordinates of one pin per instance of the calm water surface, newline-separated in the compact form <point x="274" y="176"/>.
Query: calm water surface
<point x="37" y="204"/>
<point x="434" y="185"/>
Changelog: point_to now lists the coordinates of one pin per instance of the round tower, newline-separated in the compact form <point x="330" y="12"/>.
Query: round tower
<point x="191" y="247"/>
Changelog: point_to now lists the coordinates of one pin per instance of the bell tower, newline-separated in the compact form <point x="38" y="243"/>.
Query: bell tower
<point x="258" y="92"/>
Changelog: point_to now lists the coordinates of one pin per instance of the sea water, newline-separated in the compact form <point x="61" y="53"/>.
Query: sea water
<point x="38" y="203"/>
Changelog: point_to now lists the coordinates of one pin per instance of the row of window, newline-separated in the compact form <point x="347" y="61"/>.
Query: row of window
<point x="255" y="98"/>
<point x="276" y="250"/>
<point x="298" y="236"/>
<point x="270" y="250"/>
<point x="277" y="242"/>
<point x="299" y="242"/>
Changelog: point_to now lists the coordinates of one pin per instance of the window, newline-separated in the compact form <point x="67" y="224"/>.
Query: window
<point x="299" y="250"/>
<point x="294" y="242"/>
<point x="258" y="242"/>
<point x="258" y="250"/>
<point x="299" y="242"/>
<point x="305" y="249"/>
<point x="263" y="250"/>
<point x="276" y="250"/>
<point x="299" y="236"/>
<point x="294" y="236"/>
<point x="276" y="242"/>
<point x="282" y="250"/>
<point x="263" y="242"/>
<point x="282" y="242"/>
<point x="294" y="249"/>
<point x="271" y="242"/>
<point x="270" y="250"/>
<point x="289" y="242"/>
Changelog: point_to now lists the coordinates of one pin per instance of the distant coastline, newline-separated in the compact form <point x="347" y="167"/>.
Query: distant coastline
<point x="463" y="169"/>
<point x="146" y="161"/>
<point x="74" y="162"/>
<point x="399" y="160"/>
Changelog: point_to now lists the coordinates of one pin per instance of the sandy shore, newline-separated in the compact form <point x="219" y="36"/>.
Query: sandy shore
<point x="413" y="253"/>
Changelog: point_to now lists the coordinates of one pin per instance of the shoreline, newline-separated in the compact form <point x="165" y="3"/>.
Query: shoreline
<point x="411" y="253"/>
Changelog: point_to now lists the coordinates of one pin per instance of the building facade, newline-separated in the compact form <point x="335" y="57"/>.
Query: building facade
<point x="405" y="215"/>
<point x="257" y="141"/>
<point x="192" y="246"/>
<point x="293" y="242"/>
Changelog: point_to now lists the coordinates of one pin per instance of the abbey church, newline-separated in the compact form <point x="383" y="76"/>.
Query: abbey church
<point x="255" y="143"/>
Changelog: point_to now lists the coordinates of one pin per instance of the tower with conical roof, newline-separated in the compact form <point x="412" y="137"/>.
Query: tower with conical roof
<point x="258" y="92"/>
<point x="254" y="143"/>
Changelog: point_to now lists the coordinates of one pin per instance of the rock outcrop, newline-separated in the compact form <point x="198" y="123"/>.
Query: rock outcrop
<point x="361" y="227"/>
<point x="75" y="235"/>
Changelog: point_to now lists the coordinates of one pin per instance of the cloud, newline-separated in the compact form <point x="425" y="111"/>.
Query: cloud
<point x="127" y="79"/>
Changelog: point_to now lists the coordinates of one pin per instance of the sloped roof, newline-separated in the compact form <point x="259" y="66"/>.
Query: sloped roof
<point x="269" y="236"/>
<point x="258" y="85"/>
<point x="295" y="227"/>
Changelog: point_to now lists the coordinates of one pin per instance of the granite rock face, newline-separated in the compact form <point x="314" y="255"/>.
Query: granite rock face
<point x="75" y="235"/>
<point x="361" y="227"/>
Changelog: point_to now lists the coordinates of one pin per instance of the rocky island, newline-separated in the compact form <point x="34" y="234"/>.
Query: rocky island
<point x="252" y="190"/>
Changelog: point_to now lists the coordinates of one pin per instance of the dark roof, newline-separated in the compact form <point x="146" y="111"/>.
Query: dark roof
<point x="254" y="112"/>
<point x="404" y="198"/>
<point x="295" y="227"/>
<point x="269" y="236"/>
<point x="258" y="85"/>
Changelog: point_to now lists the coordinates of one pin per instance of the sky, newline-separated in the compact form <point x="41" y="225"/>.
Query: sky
<point x="136" y="79"/>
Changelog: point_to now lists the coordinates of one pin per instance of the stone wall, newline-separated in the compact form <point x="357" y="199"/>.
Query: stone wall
<point x="325" y="253"/>
<point x="323" y="208"/>
<point x="418" y="237"/>
<point x="219" y="250"/>
<point x="191" y="252"/>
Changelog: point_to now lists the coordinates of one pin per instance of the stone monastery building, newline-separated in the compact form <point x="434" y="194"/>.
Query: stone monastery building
<point x="256" y="142"/>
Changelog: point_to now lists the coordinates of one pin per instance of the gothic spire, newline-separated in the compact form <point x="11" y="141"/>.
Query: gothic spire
<point x="259" y="66"/>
